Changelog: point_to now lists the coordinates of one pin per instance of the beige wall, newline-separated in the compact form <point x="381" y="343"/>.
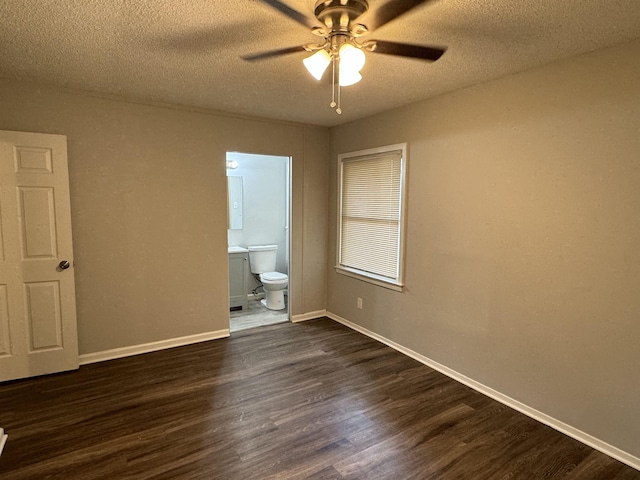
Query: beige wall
<point x="148" y="200"/>
<point x="523" y="238"/>
<point x="522" y="249"/>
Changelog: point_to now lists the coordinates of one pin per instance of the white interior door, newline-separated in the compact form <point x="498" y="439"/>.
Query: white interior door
<point x="38" y="331"/>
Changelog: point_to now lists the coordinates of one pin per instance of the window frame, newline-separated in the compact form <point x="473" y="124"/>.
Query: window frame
<point x="396" y="284"/>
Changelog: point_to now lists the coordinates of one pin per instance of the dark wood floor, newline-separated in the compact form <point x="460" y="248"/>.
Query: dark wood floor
<point x="312" y="400"/>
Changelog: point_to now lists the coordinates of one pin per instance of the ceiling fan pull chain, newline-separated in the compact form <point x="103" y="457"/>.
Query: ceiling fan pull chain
<point x="336" y="84"/>
<point x="338" y="110"/>
<point x="333" y="83"/>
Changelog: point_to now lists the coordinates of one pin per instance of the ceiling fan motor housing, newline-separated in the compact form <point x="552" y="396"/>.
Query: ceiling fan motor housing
<point x="337" y="15"/>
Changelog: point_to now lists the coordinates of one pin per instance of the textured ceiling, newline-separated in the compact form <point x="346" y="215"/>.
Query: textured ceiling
<point x="187" y="52"/>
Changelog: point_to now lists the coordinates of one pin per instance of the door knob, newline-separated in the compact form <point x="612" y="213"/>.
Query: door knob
<point x="64" y="264"/>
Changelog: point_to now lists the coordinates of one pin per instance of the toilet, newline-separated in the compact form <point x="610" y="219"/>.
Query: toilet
<point x="262" y="260"/>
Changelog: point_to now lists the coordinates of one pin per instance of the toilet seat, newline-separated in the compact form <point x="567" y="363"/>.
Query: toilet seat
<point x="273" y="277"/>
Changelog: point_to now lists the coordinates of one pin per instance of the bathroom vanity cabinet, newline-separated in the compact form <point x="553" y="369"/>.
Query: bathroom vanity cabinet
<point x="238" y="277"/>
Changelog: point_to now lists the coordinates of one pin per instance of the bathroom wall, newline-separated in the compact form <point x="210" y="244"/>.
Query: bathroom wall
<point x="264" y="190"/>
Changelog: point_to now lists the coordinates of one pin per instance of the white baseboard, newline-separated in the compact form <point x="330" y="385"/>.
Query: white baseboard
<point x="3" y="439"/>
<point x="573" y="432"/>
<point x="303" y="317"/>
<point x="88" y="358"/>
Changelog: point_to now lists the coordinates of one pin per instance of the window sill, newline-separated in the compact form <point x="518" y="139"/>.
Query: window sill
<point x="373" y="279"/>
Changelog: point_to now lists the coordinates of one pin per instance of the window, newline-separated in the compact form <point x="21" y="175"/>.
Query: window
<point x="371" y="215"/>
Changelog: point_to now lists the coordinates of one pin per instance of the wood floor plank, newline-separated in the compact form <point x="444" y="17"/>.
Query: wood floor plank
<point x="313" y="400"/>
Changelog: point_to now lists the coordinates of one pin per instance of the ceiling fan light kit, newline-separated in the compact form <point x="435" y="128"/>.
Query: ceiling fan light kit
<point x="317" y="63"/>
<point x="340" y="48"/>
<point x="346" y="58"/>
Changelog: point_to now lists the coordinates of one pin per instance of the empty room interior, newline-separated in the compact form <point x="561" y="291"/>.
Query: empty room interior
<point x="169" y="170"/>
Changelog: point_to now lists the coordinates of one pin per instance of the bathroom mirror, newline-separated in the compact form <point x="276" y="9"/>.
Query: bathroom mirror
<point x="234" y="189"/>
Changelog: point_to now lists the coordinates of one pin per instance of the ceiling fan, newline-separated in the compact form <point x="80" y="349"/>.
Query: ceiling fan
<point x="340" y="45"/>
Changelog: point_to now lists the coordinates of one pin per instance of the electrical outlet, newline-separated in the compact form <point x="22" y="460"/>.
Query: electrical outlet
<point x="359" y="303"/>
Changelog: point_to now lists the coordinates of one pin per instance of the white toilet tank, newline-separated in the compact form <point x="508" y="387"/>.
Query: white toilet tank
<point x="262" y="258"/>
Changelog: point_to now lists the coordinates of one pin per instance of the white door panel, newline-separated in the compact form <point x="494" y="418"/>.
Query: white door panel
<point x="38" y="332"/>
<point x="5" y="344"/>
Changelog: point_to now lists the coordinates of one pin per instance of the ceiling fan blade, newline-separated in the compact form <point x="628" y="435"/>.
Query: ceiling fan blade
<point x="273" y="53"/>
<point x="390" y="11"/>
<point x="407" y="50"/>
<point x="291" y="13"/>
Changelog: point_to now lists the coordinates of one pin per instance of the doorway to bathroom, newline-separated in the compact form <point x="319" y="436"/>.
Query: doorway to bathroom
<point x="259" y="199"/>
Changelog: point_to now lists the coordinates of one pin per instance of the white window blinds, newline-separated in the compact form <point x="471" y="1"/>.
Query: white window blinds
<point x="370" y="219"/>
